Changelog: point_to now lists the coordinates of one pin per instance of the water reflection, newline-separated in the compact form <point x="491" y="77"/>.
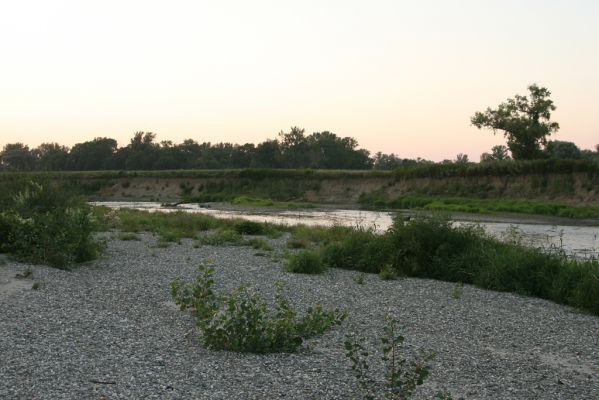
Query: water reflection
<point x="579" y="241"/>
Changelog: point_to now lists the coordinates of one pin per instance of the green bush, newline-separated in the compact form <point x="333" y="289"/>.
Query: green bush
<point x="221" y="237"/>
<point x="430" y="247"/>
<point x="360" y="249"/>
<point x="242" y="321"/>
<point x="45" y="225"/>
<point x="245" y="227"/>
<point x="306" y="262"/>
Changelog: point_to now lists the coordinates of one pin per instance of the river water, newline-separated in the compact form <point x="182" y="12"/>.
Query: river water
<point x="576" y="240"/>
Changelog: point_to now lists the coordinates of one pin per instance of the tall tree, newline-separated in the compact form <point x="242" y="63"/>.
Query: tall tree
<point x="52" y="157"/>
<point x="92" y="155"/>
<point x="17" y="157"/>
<point x="525" y="122"/>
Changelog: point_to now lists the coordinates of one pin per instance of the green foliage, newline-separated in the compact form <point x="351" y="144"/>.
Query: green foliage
<point x="360" y="249"/>
<point x="402" y="375"/>
<point x="430" y="247"/>
<point x="359" y="278"/>
<point x="258" y="202"/>
<point x="484" y="206"/>
<point x="306" y="262"/>
<point x="221" y="237"/>
<point x="245" y="227"/>
<point x="260" y="244"/>
<point x="457" y="290"/>
<point x="42" y="224"/>
<point x="241" y="321"/>
<point x="128" y="236"/>
<point x="388" y="273"/>
<point x="525" y="122"/>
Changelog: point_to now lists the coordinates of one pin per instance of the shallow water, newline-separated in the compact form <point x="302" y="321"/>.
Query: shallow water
<point x="579" y="241"/>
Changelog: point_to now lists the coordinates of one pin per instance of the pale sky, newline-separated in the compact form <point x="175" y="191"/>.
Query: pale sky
<point x="399" y="76"/>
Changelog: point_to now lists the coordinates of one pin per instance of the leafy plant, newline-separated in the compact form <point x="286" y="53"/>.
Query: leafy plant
<point x="306" y="262"/>
<point x="388" y="273"/>
<point x="242" y="321"/>
<point x="402" y="375"/>
<point x="457" y="290"/>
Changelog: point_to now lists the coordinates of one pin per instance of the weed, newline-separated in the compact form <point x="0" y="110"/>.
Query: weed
<point x="388" y="273"/>
<point x="260" y="254"/>
<point x="457" y="290"/>
<point x="128" y="236"/>
<point x="35" y="286"/>
<point x="242" y="321"/>
<point x="359" y="278"/>
<point x="296" y="243"/>
<point x="306" y="262"/>
<point x="221" y="237"/>
<point x="260" y="244"/>
<point x="402" y="375"/>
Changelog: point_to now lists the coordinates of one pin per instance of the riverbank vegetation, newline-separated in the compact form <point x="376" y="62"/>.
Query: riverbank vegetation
<point x="425" y="247"/>
<point x="40" y="223"/>
<point x="378" y="200"/>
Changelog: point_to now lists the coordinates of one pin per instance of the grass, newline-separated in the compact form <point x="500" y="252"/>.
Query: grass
<point x="259" y="202"/>
<point x="306" y="262"/>
<point x="478" y="205"/>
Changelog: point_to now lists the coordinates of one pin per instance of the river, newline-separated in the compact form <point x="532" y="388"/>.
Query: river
<point x="577" y="240"/>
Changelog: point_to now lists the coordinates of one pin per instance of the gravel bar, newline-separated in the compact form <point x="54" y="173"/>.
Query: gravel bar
<point x="109" y="330"/>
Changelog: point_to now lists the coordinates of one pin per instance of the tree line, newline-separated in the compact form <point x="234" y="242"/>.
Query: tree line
<point x="524" y="120"/>
<point x="293" y="149"/>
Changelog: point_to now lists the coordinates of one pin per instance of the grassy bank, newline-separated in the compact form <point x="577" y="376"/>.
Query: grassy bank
<point x="376" y="200"/>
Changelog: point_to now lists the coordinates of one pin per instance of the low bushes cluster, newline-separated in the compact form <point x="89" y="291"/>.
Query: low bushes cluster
<point x="40" y="223"/>
<point x="242" y="320"/>
<point x="432" y="247"/>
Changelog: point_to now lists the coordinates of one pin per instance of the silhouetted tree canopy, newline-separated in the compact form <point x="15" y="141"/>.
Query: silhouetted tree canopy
<point x="525" y="122"/>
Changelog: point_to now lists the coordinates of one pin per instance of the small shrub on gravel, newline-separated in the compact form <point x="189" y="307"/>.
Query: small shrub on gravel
<point x="260" y="244"/>
<point x="388" y="273"/>
<point x="249" y="228"/>
<point x="402" y="375"/>
<point x="126" y="236"/>
<point x="241" y="321"/>
<point x="306" y="262"/>
<point x="221" y="237"/>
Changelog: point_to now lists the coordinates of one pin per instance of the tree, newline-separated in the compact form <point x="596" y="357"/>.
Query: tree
<point x="17" y="157"/>
<point x="562" y="149"/>
<point x="498" y="153"/>
<point x="92" y="155"/>
<point x="525" y="122"/>
<point x="51" y="157"/>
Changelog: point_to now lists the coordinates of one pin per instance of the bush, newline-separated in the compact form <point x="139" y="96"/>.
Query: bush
<point x="360" y="250"/>
<point x="241" y="320"/>
<point x="46" y="225"/>
<point x="249" y="228"/>
<point x="306" y="262"/>
<point x="430" y="247"/>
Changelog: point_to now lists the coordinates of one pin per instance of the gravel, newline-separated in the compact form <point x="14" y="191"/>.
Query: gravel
<point x="109" y="330"/>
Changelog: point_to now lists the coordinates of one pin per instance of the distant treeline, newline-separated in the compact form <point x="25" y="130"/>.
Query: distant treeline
<point x="294" y="149"/>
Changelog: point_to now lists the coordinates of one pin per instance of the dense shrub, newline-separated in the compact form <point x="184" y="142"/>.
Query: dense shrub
<point x="306" y="262"/>
<point x="44" y="224"/>
<point x="430" y="247"/>
<point x="360" y="249"/>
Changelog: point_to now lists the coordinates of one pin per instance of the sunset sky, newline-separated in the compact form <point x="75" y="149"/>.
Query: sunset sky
<point x="399" y="76"/>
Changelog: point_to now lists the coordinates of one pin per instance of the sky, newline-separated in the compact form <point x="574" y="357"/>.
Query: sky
<point x="399" y="76"/>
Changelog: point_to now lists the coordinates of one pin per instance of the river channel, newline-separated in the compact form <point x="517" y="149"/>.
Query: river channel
<point x="581" y="241"/>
